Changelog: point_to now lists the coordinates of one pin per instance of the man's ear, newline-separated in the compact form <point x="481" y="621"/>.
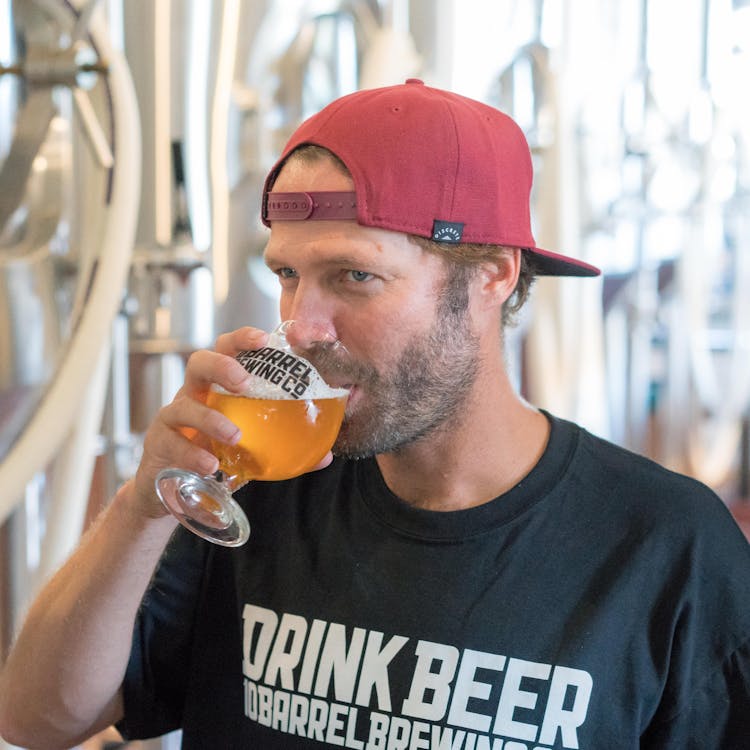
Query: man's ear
<point x="497" y="278"/>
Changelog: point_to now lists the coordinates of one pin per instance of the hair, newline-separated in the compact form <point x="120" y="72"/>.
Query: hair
<point x="461" y="260"/>
<point x="464" y="258"/>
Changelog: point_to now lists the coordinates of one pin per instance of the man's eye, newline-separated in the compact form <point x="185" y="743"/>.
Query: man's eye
<point x="360" y="275"/>
<point x="286" y="273"/>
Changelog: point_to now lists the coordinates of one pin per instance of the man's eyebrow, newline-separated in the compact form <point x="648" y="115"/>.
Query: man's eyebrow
<point x="348" y="260"/>
<point x="345" y="260"/>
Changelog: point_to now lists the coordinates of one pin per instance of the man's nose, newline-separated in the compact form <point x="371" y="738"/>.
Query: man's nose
<point x="312" y="316"/>
<point x="304" y="334"/>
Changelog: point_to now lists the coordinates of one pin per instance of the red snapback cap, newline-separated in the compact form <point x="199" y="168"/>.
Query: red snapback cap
<point x="427" y="162"/>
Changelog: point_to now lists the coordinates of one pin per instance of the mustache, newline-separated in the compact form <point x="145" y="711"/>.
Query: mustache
<point x="334" y="363"/>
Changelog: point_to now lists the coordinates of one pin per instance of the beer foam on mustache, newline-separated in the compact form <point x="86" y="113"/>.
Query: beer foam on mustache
<point x="280" y="374"/>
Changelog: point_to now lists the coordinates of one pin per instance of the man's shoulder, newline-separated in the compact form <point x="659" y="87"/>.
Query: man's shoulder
<point x="619" y="461"/>
<point x="646" y="493"/>
<point x="622" y="481"/>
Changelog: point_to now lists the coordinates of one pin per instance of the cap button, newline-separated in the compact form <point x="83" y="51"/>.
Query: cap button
<point x="415" y="80"/>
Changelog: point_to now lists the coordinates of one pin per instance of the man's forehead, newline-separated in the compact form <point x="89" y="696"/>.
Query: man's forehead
<point x="336" y="242"/>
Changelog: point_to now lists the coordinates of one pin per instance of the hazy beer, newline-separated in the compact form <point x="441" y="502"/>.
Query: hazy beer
<point x="281" y="438"/>
<point x="289" y="418"/>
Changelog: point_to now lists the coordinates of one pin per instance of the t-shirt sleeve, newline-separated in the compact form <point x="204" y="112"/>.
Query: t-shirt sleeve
<point x="156" y="676"/>
<point x="706" y="700"/>
<point x="717" y="717"/>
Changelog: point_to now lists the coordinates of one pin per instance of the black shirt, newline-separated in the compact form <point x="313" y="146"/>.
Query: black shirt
<point x="603" y="602"/>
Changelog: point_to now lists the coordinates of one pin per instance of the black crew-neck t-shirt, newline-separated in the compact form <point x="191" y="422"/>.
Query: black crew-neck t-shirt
<point x="603" y="602"/>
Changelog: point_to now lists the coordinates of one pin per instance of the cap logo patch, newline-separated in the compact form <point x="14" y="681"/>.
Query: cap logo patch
<point x="447" y="231"/>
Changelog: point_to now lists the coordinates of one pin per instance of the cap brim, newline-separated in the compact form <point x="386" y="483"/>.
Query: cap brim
<point x="547" y="263"/>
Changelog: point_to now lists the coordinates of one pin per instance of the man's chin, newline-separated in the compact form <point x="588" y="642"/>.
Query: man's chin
<point x="358" y="440"/>
<point x="351" y="452"/>
<point x="351" y="446"/>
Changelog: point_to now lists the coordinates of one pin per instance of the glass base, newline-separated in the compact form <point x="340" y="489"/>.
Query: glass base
<point x="204" y="506"/>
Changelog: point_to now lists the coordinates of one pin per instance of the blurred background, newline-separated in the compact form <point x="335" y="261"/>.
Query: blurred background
<point x="134" y="138"/>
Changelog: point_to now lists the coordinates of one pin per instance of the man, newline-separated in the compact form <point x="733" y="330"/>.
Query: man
<point x="485" y="576"/>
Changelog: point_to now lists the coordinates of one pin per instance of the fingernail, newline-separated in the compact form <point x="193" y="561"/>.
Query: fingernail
<point x="208" y="464"/>
<point x="231" y="435"/>
<point x="239" y="375"/>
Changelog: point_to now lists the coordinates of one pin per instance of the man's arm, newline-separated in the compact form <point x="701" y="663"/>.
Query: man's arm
<point x="61" y="682"/>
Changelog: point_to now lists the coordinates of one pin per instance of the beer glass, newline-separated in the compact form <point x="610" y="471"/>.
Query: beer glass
<point x="289" y="418"/>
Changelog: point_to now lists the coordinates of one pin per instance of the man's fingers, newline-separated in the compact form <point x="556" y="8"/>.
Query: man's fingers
<point x="181" y="433"/>
<point x="167" y="442"/>
<point x="185" y="412"/>
<point x="241" y="339"/>
<point x="325" y="461"/>
<point x="184" y="454"/>
<point x="205" y="367"/>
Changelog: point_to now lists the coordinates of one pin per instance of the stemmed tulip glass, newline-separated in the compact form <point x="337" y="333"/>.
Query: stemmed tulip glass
<point x="289" y="419"/>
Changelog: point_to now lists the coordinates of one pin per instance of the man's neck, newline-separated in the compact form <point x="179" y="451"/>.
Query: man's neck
<point x="486" y="451"/>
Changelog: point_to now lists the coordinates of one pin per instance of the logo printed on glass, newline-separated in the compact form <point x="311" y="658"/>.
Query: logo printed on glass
<point x="290" y="373"/>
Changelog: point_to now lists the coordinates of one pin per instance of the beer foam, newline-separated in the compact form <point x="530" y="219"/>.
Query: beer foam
<point x="278" y="374"/>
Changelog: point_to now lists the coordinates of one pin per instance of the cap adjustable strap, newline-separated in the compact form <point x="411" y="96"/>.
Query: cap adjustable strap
<point x="314" y="206"/>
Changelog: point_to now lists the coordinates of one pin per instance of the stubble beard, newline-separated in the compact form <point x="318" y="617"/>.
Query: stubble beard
<point x="424" y="390"/>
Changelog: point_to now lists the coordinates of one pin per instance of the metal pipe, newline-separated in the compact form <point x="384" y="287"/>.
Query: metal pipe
<point x="50" y="425"/>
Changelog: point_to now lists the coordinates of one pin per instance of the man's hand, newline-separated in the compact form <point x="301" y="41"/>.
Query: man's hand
<point x="179" y="435"/>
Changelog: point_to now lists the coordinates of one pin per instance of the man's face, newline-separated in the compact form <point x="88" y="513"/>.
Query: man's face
<point x="419" y="390"/>
<point x="412" y="357"/>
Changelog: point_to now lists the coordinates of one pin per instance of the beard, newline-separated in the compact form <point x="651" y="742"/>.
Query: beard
<point x="423" y="390"/>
